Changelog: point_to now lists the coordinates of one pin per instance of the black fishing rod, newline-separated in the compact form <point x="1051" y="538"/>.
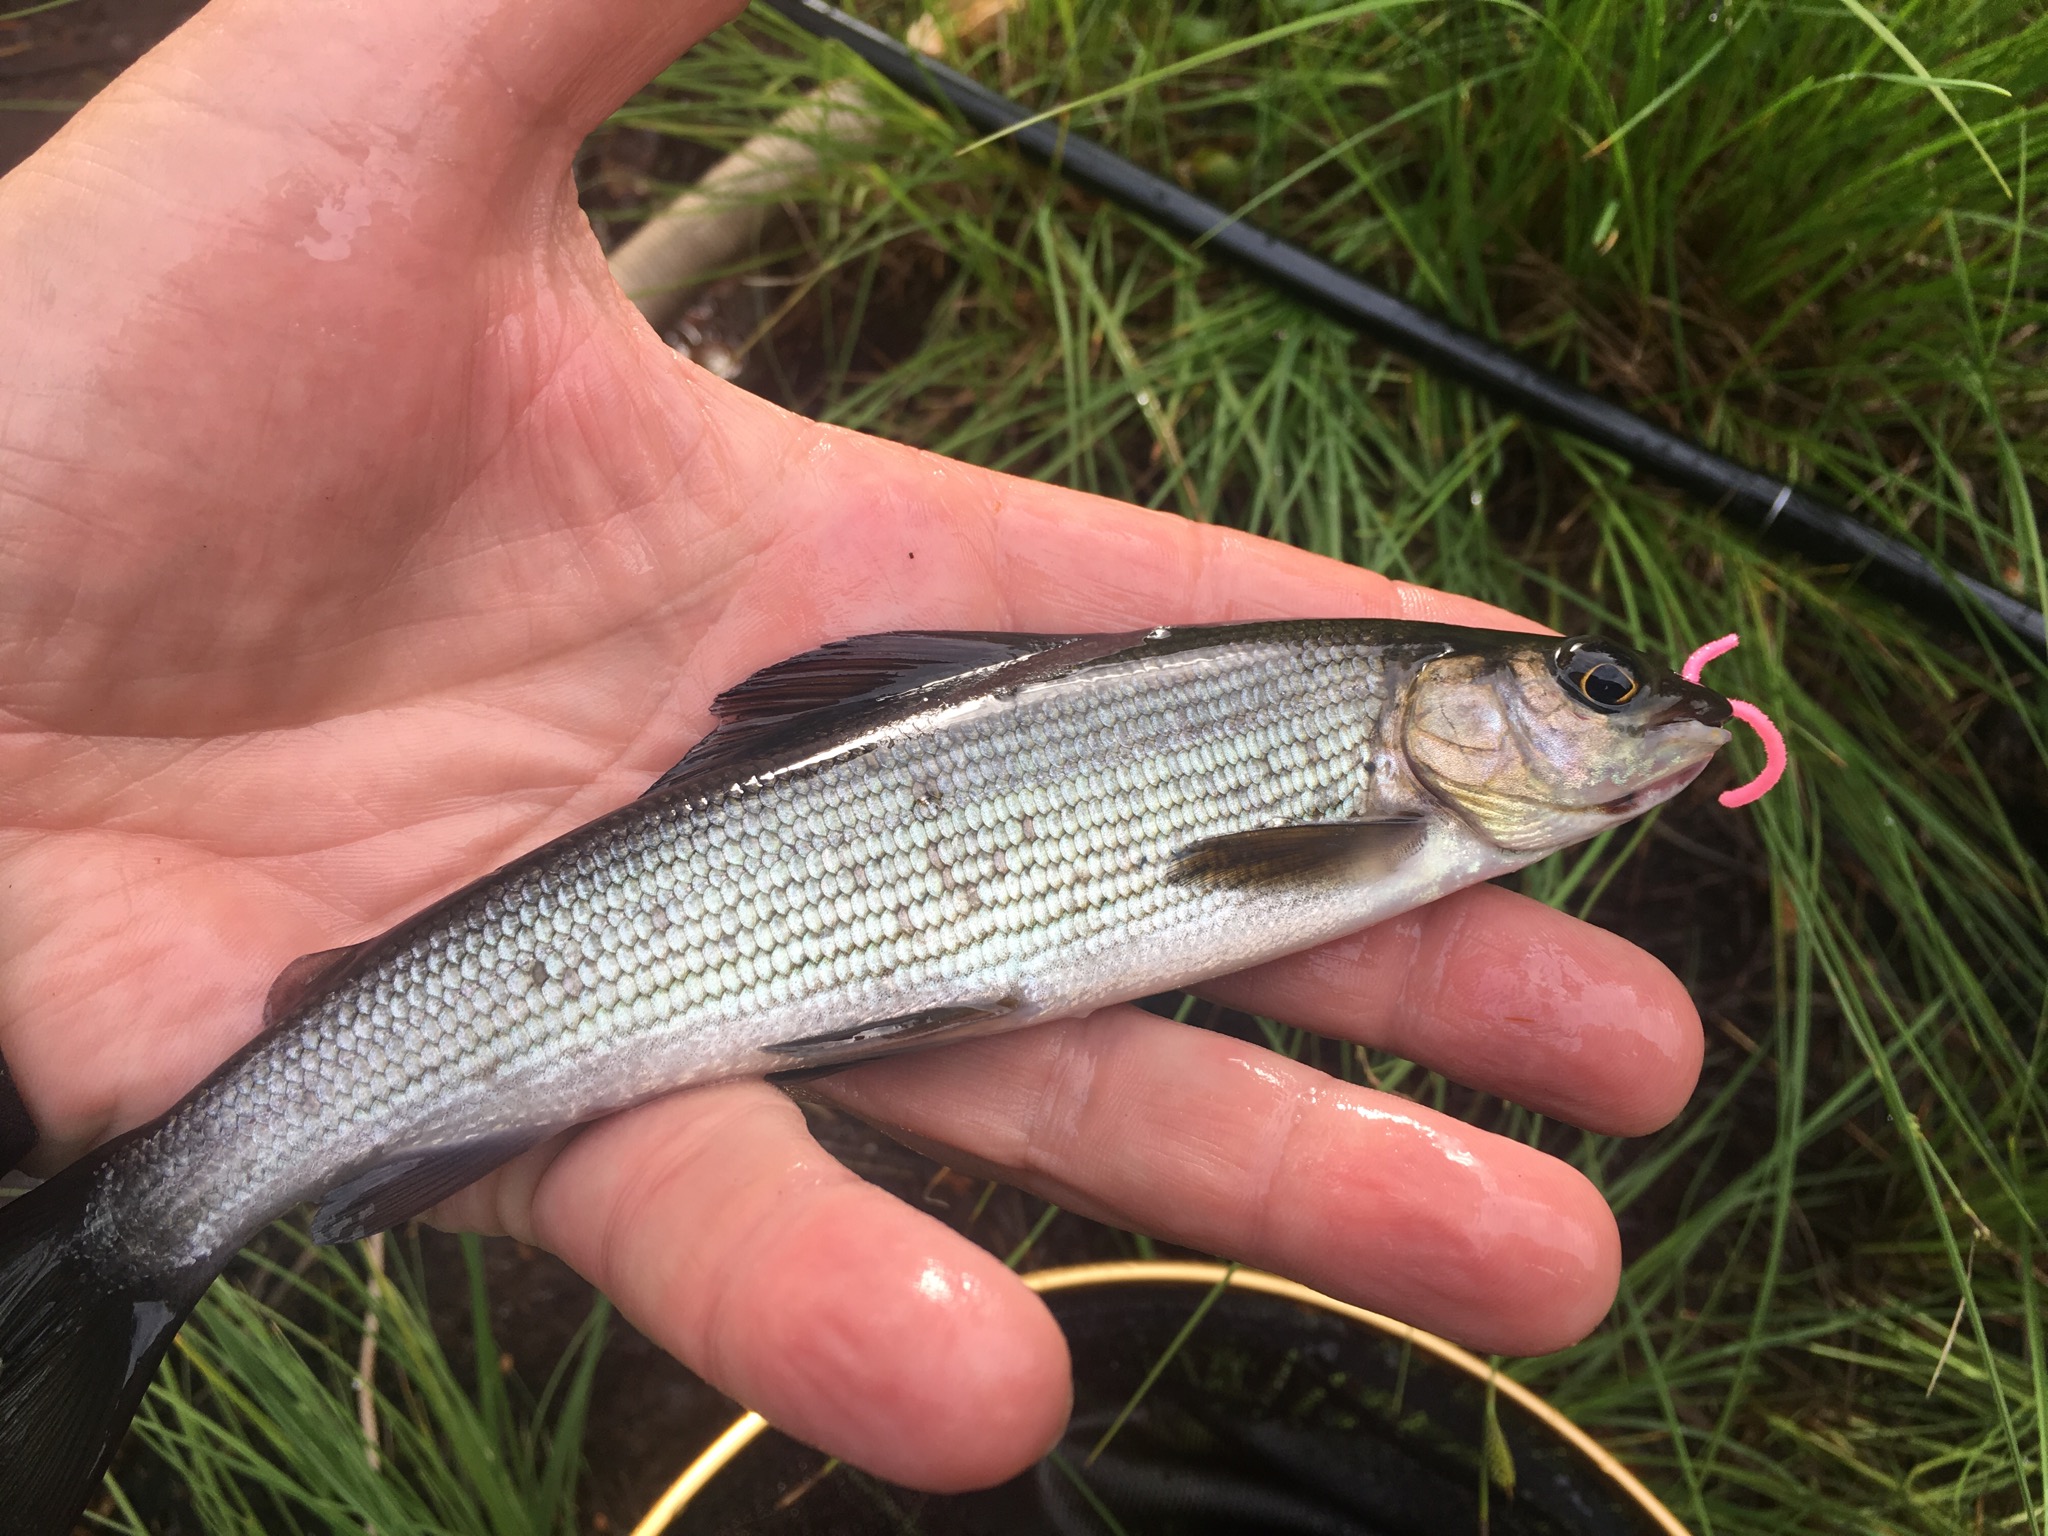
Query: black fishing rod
<point x="1773" y="509"/>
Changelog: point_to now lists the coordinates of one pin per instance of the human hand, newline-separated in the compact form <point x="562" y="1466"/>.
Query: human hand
<point x="358" y="535"/>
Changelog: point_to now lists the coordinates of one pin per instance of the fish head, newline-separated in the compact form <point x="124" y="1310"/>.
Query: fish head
<point x="1539" y="743"/>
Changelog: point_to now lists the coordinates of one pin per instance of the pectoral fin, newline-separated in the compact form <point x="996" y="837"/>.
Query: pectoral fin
<point x="1313" y="853"/>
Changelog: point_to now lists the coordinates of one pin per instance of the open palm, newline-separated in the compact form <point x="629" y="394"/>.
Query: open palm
<point x="356" y="535"/>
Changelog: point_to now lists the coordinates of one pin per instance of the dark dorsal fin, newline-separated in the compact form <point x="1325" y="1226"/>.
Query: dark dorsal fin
<point x="305" y="979"/>
<point x="868" y="668"/>
<point x="399" y="1190"/>
<point x="841" y="683"/>
<point x="17" y="1131"/>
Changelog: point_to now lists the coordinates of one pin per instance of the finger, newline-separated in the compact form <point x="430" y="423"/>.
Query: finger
<point x="1500" y="992"/>
<point x="392" y="77"/>
<point x="1066" y="553"/>
<point x="915" y="534"/>
<point x="1222" y="1146"/>
<point x="856" y="1324"/>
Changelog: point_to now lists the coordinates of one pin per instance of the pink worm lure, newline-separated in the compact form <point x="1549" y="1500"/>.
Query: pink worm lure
<point x="1749" y="715"/>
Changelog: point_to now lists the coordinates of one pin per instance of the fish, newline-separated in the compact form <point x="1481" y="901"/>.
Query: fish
<point x="890" y="842"/>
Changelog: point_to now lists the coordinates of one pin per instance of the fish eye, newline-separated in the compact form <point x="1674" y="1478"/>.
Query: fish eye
<point x="1596" y="675"/>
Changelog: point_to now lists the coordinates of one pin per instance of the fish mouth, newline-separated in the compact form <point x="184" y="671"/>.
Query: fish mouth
<point x="1657" y="791"/>
<point x="1692" y="701"/>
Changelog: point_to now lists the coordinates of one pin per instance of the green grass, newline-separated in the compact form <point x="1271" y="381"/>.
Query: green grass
<point x="257" y="1416"/>
<point x="1809" y="234"/>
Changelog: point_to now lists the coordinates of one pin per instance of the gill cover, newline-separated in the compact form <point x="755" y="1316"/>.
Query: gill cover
<point x="1541" y="743"/>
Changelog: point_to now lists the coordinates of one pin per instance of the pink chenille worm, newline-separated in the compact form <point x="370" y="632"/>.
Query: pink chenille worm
<point x="1748" y="714"/>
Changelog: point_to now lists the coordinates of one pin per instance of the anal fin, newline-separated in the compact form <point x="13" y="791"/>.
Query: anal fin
<point x="399" y="1190"/>
<point x="828" y="1052"/>
<point x="1305" y="854"/>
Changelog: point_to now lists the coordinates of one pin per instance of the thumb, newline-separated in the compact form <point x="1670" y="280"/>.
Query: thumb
<point x="535" y="70"/>
<point x="279" y="102"/>
<point x="301" y="272"/>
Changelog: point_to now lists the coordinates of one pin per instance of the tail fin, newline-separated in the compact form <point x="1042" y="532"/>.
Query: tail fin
<point x="78" y="1346"/>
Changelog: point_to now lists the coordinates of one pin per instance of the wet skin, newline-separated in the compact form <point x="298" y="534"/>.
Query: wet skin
<point x="356" y="535"/>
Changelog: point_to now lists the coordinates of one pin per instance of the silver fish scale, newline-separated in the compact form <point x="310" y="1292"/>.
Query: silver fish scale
<point x="1005" y="850"/>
